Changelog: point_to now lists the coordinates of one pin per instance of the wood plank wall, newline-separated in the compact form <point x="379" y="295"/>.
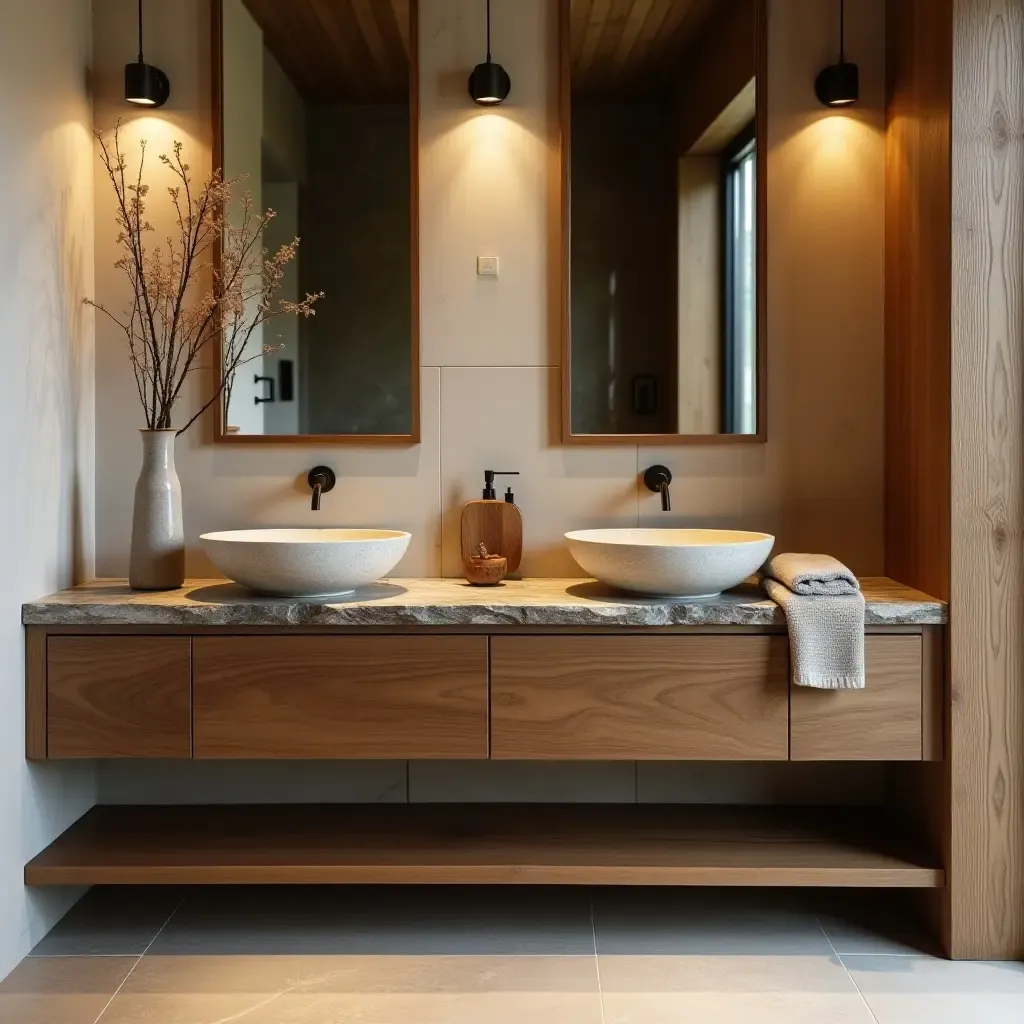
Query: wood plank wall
<point x="987" y="565"/>
<point x="919" y="36"/>
<point x="955" y="431"/>
<point x="917" y="288"/>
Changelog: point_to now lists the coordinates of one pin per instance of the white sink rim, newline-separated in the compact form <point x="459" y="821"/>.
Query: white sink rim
<point x="657" y="536"/>
<point x="302" y="535"/>
<point x="305" y="562"/>
<point x="672" y="563"/>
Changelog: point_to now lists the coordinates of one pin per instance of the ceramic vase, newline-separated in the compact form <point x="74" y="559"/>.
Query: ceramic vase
<point x="158" y="536"/>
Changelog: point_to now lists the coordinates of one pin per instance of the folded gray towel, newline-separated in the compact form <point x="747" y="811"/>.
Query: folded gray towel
<point x="824" y="611"/>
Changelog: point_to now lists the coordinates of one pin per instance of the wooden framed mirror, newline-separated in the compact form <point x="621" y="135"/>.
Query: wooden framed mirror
<point x="663" y="205"/>
<point x="316" y="104"/>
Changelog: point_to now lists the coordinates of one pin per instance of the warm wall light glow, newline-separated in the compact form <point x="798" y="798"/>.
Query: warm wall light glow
<point x="832" y="163"/>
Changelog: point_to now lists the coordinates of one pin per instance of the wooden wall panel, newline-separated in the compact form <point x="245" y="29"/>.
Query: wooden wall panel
<point x="917" y="316"/>
<point x="987" y="592"/>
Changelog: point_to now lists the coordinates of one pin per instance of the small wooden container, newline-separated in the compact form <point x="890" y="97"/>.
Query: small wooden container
<point x="484" y="570"/>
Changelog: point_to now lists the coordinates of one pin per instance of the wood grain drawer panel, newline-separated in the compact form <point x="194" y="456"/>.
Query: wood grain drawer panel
<point x="118" y="696"/>
<point x="340" y="697"/>
<point x="639" y="698"/>
<point x="879" y="723"/>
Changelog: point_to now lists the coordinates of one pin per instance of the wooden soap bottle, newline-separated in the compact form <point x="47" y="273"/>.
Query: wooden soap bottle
<point x="498" y="525"/>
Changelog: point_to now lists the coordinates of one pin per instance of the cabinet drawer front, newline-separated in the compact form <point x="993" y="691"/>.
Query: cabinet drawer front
<point x="118" y="696"/>
<point x="879" y="723"/>
<point x="639" y="698"/>
<point x="338" y="697"/>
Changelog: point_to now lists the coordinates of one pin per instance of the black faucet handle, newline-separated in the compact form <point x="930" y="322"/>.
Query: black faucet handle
<point x="657" y="479"/>
<point x="322" y="480"/>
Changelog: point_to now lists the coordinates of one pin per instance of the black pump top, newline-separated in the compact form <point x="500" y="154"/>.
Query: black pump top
<point x="489" y="474"/>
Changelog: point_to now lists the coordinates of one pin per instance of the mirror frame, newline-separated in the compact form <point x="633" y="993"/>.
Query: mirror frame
<point x="565" y="157"/>
<point x="221" y="435"/>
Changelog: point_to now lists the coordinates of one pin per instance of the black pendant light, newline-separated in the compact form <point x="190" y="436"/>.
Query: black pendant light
<point x="489" y="83"/>
<point x="839" y="84"/>
<point x="144" y="84"/>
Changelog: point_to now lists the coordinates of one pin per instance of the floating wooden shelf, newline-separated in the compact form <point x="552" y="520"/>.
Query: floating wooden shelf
<point x="492" y="844"/>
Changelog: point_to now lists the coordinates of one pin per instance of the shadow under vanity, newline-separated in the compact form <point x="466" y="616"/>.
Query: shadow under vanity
<point x="539" y="670"/>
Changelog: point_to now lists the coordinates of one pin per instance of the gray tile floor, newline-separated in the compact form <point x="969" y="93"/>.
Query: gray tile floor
<point x="523" y="955"/>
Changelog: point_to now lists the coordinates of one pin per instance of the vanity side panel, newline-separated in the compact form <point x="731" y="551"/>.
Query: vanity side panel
<point x="35" y="693"/>
<point x="722" y="698"/>
<point x="340" y="697"/>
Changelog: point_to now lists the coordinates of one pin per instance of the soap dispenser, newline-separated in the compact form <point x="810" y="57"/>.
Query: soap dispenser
<point x="495" y="523"/>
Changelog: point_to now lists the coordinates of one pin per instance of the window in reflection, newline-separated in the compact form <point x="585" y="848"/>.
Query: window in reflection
<point x="740" y="286"/>
<point x="663" y="251"/>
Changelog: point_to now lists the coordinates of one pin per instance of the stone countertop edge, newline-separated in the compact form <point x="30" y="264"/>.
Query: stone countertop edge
<point x="401" y="602"/>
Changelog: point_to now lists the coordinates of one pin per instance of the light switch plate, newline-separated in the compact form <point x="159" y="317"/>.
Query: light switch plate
<point x="487" y="266"/>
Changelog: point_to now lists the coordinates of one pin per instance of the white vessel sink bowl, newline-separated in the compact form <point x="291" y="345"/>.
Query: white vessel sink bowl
<point x="305" y="563"/>
<point x="670" y="563"/>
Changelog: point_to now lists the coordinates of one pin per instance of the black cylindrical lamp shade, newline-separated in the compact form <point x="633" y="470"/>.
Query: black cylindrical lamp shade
<point x="489" y="84"/>
<point x="145" y="85"/>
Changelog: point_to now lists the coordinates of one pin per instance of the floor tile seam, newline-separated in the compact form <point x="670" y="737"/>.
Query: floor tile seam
<point x="82" y="956"/>
<point x="597" y="956"/>
<point x="853" y="980"/>
<point x="149" y="945"/>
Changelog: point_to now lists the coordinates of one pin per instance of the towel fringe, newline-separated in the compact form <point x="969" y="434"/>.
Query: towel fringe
<point x="831" y="682"/>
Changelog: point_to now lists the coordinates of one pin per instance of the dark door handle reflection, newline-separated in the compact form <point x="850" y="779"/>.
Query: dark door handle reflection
<point x="269" y="396"/>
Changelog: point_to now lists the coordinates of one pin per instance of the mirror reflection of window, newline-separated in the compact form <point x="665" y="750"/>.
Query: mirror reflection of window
<point x="663" y="247"/>
<point x="316" y="113"/>
<point x="740" y="349"/>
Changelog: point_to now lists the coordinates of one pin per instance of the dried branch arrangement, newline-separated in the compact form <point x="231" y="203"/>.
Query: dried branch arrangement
<point x="171" y="320"/>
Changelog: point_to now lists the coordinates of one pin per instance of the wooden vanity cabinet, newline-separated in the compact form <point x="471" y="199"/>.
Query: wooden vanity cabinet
<point x="886" y="721"/>
<point x="718" y="697"/>
<point x="118" y="696"/>
<point x="340" y="697"/>
<point x="681" y="696"/>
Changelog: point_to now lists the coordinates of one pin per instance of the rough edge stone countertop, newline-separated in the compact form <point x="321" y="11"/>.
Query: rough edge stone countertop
<point x="449" y="602"/>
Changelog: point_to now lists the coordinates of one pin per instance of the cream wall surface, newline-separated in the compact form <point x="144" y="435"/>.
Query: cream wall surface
<point x="46" y="416"/>
<point x="490" y="378"/>
<point x="490" y="348"/>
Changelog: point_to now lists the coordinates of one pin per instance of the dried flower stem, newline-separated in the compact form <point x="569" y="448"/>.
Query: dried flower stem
<point x="167" y="324"/>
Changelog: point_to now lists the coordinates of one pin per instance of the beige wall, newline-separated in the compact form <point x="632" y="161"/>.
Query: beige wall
<point x="46" y="472"/>
<point x="490" y="379"/>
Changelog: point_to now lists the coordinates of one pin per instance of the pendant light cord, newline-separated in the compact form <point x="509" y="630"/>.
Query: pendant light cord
<point x="842" y="30"/>
<point x="140" y="32"/>
<point x="488" y="30"/>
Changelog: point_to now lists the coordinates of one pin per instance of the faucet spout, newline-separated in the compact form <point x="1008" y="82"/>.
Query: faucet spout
<point x="657" y="479"/>
<point x="322" y="480"/>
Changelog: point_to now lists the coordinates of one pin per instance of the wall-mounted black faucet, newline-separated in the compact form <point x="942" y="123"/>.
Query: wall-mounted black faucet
<point x="657" y="479"/>
<point x="322" y="480"/>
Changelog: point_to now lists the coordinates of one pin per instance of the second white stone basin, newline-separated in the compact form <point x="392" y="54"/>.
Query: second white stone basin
<point x="670" y="563"/>
<point x="305" y="563"/>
